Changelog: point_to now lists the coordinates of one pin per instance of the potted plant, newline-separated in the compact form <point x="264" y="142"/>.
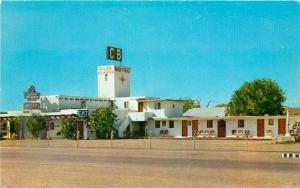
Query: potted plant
<point x="296" y="131"/>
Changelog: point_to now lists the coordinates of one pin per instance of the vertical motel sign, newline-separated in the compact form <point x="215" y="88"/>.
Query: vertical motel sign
<point x="32" y="97"/>
<point x="113" y="53"/>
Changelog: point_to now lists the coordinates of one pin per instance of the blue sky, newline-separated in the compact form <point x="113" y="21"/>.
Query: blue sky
<point x="202" y="50"/>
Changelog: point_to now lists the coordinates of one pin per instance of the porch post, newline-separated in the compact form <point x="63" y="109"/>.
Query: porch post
<point x="287" y="132"/>
<point x="85" y="130"/>
<point x="8" y="128"/>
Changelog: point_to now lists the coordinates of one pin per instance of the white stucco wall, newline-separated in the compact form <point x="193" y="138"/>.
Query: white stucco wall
<point x="122" y="88"/>
<point x="53" y="133"/>
<point x="117" y="83"/>
<point x="171" y="111"/>
<point x="166" y="110"/>
<point x="132" y="102"/>
<point x="202" y="125"/>
<point x="50" y="103"/>
<point x="231" y="124"/>
<point x="172" y="132"/>
<point x="56" y="103"/>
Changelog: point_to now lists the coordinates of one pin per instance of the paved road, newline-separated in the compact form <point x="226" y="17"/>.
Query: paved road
<point x="66" y="167"/>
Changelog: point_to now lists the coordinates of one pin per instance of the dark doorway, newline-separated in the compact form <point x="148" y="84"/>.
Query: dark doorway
<point x="138" y="129"/>
<point x="80" y="129"/>
<point x="142" y="128"/>
<point x="140" y="106"/>
<point x="184" y="128"/>
<point x="221" y="128"/>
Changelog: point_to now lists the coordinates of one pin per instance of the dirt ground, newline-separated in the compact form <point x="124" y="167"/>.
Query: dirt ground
<point x="130" y="163"/>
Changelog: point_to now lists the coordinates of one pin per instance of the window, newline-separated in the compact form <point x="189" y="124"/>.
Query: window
<point x="157" y="124"/>
<point x="209" y="123"/>
<point x="271" y="122"/>
<point x="140" y="107"/>
<point x="111" y="104"/>
<point x="241" y="123"/>
<point x="105" y="77"/>
<point x="51" y="126"/>
<point x="157" y="106"/>
<point x="4" y="127"/>
<point x="171" y="124"/>
<point x="126" y="105"/>
<point x="189" y="123"/>
<point x="82" y="104"/>
<point x="164" y="123"/>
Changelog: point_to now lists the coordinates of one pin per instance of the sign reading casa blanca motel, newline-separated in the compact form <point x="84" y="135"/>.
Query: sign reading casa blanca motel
<point x="32" y="97"/>
<point x="138" y="115"/>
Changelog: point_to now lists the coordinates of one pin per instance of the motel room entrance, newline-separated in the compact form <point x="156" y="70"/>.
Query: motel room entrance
<point x="281" y="126"/>
<point x="184" y="131"/>
<point x="221" y="128"/>
<point x="260" y="127"/>
<point x="80" y="129"/>
<point x="138" y="128"/>
<point x="189" y="128"/>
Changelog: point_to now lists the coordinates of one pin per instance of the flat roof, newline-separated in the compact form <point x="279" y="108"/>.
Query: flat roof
<point x="160" y="100"/>
<point x="82" y="98"/>
<point x="225" y="118"/>
<point x="292" y="110"/>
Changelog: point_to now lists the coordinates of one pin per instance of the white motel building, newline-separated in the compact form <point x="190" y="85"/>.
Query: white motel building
<point x="140" y="115"/>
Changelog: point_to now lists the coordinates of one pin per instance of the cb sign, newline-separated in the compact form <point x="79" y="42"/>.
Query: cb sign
<point x="113" y="53"/>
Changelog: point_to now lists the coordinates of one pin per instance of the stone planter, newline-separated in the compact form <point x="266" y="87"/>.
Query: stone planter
<point x="297" y="138"/>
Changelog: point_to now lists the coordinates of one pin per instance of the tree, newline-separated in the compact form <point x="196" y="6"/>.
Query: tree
<point x="68" y="127"/>
<point x="222" y="105"/>
<point x="35" y="124"/>
<point x="296" y="127"/>
<point x="190" y="103"/>
<point x="101" y="122"/>
<point x="258" y="97"/>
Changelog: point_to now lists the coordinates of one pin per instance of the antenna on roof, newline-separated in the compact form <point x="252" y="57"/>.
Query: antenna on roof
<point x="208" y="104"/>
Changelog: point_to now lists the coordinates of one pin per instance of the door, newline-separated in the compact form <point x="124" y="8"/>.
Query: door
<point x="260" y="128"/>
<point x="80" y="129"/>
<point x="281" y="126"/>
<point x="221" y="128"/>
<point x="142" y="128"/>
<point x="184" y="128"/>
<point x="194" y="127"/>
<point x="140" y="106"/>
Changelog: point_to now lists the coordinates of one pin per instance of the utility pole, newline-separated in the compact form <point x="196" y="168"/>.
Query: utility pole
<point x="77" y="135"/>
<point x="150" y="136"/>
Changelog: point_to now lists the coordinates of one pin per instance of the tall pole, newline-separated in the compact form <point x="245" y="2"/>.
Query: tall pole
<point x="150" y="136"/>
<point x="48" y="133"/>
<point x="194" y="142"/>
<point x="111" y="138"/>
<point x="247" y="134"/>
<point x="77" y="134"/>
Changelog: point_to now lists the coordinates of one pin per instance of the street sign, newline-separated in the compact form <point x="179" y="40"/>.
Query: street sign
<point x="83" y="113"/>
<point x="113" y="53"/>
